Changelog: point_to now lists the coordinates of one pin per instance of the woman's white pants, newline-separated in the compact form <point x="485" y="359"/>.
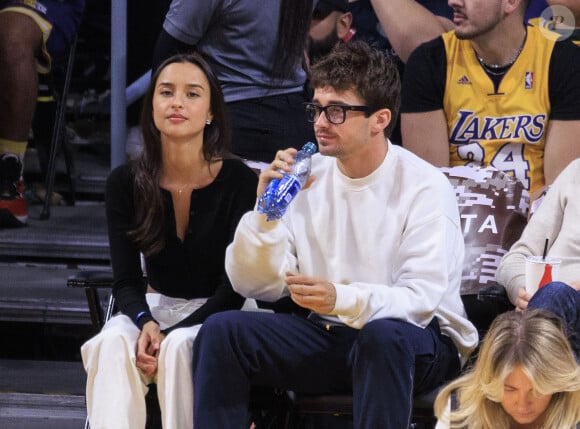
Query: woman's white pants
<point x="116" y="388"/>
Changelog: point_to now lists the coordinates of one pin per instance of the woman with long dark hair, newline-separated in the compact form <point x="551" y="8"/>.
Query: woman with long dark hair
<point x="177" y="207"/>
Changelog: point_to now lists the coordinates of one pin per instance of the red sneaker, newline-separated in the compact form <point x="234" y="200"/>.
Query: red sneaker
<point x="13" y="206"/>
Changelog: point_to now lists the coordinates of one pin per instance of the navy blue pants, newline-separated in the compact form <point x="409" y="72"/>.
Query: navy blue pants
<point x="563" y="300"/>
<point x="384" y="364"/>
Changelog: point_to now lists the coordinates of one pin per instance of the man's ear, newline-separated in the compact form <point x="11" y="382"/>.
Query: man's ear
<point x="512" y="5"/>
<point x="343" y="25"/>
<point x="383" y="118"/>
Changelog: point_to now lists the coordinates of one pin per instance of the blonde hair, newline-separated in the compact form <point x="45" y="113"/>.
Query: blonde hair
<point x="535" y="341"/>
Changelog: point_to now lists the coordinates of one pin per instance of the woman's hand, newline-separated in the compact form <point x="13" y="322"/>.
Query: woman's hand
<point x="523" y="299"/>
<point x="148" y="346"/>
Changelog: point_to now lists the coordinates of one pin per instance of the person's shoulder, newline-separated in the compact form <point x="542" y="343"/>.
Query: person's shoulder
<point x="416" y="165"/>
<point x="421" y="179"/>
<point x="237" y="169"/>
<point x="571" y="172"/>
<point x="565" y="55"/>
<point x="321" y="164"/>
<point x="431" y="54"/>
<point x="435" y="45"/>
<point x="566" y="48"/>
<point x="120" y="181"/>
<point x="122" y="174"/>
<point x="575" y="164"/>
<point x="416" y="173"/>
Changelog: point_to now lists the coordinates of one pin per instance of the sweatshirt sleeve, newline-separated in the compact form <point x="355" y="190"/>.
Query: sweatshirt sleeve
<point x="545" y="224"/>
<point x="259" y="256"/>
<point x="128" y="282"/>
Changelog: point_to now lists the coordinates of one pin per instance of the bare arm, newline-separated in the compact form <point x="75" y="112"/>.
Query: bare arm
<point x="562" y="146"/>
<point x="425" y="134"/>
<point x="407" y="24"/>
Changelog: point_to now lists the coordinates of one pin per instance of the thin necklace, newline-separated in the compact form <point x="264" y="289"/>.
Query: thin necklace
<point x="180" y="189"/>
<point x="187" y="187"/>
<point x="496" y="72"/>
<point x="495" y="68"/>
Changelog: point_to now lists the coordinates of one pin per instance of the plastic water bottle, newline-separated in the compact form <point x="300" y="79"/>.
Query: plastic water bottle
<point x="280" y="192"/>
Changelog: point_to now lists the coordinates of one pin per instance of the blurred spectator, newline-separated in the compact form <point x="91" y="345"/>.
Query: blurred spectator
<point x="31" y="32"/>
<point x="331" y="23"/>
<point x="379" y="23"/>
<point x="402" y="24"/>
<point x="258" y="54"/>
<point x="397" y="27"/>
<point x="556" y="221"/>
<point x="336" y="21"/>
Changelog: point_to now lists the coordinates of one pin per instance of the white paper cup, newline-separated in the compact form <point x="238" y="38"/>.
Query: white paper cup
<point x="535" y="268"/>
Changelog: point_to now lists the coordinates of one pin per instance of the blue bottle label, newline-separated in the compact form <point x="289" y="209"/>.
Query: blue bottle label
<point x="287" y="189"/>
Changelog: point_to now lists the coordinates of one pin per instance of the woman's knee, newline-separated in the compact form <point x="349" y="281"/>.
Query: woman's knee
<point x="551" y="294"/>
<point x="180" y="341"/>
<point x="117" y="334"/>
<point x="554" y="287"/>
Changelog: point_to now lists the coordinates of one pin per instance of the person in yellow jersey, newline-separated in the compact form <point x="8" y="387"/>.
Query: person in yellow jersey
<point x="494" y="91"/>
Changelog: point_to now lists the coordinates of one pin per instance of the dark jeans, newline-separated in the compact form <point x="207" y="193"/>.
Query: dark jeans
<point x="563" y="300"/>
<point x="384" y="364"/>
<point x="262" y="126"/>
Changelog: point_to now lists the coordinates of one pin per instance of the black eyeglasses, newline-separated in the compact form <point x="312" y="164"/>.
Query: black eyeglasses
<point x="335" y="113"/>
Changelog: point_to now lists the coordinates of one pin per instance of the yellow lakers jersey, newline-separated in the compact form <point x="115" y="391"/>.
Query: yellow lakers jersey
<point x="549" y="31"/>
<point x="505" y="129"/>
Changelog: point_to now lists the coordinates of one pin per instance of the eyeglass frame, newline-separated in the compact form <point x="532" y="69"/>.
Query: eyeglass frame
<point x="318" y="110"/>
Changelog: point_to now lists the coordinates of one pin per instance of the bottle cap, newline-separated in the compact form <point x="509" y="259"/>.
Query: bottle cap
<point x="310" y="148"/>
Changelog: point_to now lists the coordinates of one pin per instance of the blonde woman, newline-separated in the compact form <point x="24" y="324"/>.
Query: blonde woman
<point x="525" y="376"/>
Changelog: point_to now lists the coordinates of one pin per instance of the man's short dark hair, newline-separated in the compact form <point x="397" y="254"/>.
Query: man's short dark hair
<point x="365" y="70"/>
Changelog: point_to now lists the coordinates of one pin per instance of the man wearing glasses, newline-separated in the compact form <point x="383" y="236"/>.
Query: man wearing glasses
<point x="373" y="248"/>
